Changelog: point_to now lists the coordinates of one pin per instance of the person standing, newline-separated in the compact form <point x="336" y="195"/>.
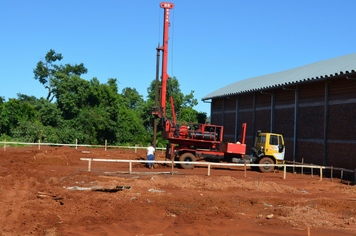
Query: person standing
<point x="150" y="155"/>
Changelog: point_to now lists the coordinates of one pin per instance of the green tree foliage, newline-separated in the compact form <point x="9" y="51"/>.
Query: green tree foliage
<point x="183" y="104"/>
<point x="28" y="131"/>
<point x="46" y="70"/>
<point x="48" y="113"/>
<point x="89" y="111"/>
<point x="14" y="111"/>
<point x="133" y="98"/>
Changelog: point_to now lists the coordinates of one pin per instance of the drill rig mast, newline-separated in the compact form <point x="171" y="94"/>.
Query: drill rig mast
<point x="189" y="142"/>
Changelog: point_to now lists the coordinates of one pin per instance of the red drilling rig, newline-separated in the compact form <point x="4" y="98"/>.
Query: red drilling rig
<point x="189" y="141"/>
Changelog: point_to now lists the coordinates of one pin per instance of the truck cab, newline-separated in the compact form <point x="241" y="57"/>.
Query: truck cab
<point x="269" y="148"/>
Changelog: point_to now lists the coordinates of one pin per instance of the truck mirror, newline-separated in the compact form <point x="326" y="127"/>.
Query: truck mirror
<point x="280" y="148"/>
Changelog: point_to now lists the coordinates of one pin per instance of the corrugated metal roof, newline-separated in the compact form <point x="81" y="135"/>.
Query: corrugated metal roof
<point x="314" y="71"/>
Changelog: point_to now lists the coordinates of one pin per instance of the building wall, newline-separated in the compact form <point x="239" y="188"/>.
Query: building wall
<point x="245" y="114"/>
<point x="324" y="113"/>
<point x="310" y="120"/>
<point x="284" y="118"/>
<point x="229" y="119"/>
<point x="341" y="132"/>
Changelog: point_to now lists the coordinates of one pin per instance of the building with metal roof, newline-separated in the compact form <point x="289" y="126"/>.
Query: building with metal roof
<point x="315" y="71"/>
<point x="312" y="106"/>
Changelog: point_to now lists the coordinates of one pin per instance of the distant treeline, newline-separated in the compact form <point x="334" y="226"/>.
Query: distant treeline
<point x="88" y="110"/>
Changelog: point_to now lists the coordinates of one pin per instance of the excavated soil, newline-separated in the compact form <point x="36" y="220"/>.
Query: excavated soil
<point x="51" y="192"/>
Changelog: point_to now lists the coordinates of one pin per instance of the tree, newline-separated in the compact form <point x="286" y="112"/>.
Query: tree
<point x="181" y="102"/>
<point x="48" y="113"/>
<point x="88" y="110"/>
<point x="46" y="71"/>
<point x="14" y="111"/>
<point x="71" y="93"/>
<point x="130" y="122"/>
<point x="133" y="98"/>
<point x="25" y="98"/>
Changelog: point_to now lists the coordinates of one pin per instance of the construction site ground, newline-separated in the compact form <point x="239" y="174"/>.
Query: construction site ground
<point x="51" y="192"/>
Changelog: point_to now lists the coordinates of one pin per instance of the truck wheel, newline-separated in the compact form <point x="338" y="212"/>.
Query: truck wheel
<point x="266" y="169"/>
<point x="187" y="157"/>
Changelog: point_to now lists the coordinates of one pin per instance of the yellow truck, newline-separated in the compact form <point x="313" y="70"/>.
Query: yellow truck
<point x="269" y="148"/>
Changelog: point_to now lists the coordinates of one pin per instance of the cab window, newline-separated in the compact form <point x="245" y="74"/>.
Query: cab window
<point x="280" y="140"/>
<point x="258" y="139"/>
<point x="273" y="140"/>
<point x="263" y="139"/>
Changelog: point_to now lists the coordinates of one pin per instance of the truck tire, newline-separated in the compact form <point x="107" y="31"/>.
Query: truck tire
<point x="187" y="157"/>
<point x="266" y="169"/>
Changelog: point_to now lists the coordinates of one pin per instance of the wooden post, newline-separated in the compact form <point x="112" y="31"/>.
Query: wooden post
<point x="5" y="144"/>
<point x="302" y="165"/>
<point x="89" y="165"/>
<point x="285" y="171"/>
<point x="172" y="164"/>
<point x="39" y="144"/>
<point x="321" y="173"/>
<point x="245" y="170"/>
<point x="331" y="173"/>
<point x="209" y="169"/>
<point x="130" y="171"/>
<point x="76" y="143"/>
<point x="106" y="144"/>
<point x="342" y="175"/>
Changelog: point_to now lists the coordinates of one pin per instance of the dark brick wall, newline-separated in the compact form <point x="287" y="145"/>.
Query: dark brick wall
<point x="312" y="152"/>
<point x="284" y="118"/>
<point x="263" y="120"/>
<point x="216" y="119"/>
<point x="229" y="123"/>
<point x="246" y="117"/>
<point x="311" y="122"/>
<point x="341" y="117"/>
<point x="217" y="104"/>
<point x="289" y="149"/>
<point x="342" y="111"/>
<point x="312" y="92"/>
<point x="263" y="112"/>
<point x="339" y="155"/>
<point x="263" y="99"/>
<point x="284" y="122"/>
<point x="216" y="113"/>
<point x="246" y="101"/>
<point x="230" y="104"/>
<point x="229" y="119"/>
<point x="248" y="145"/>
<point x="342" y="122"/>
<point x="342" y="89"/>
<point x="285" y="96"/>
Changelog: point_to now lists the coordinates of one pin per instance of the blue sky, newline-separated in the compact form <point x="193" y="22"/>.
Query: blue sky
<point x="212" y="43"/>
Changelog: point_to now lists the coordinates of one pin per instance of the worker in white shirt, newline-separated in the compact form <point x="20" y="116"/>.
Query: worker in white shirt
<point x="150" y="155"/>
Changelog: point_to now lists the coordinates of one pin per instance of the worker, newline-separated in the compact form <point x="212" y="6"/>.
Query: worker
<point x="150" y="153"/>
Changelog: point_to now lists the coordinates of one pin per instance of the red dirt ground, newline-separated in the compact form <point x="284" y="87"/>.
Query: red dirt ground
<point x="42" y="192"/>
